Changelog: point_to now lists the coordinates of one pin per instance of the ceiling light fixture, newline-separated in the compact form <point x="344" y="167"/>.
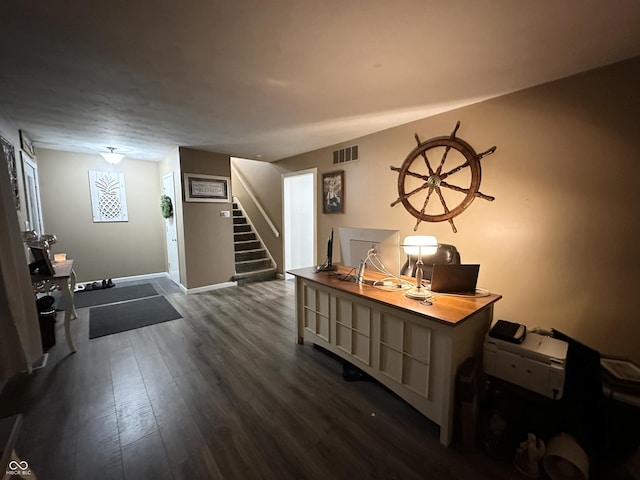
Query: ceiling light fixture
<point x="112" y="157"/>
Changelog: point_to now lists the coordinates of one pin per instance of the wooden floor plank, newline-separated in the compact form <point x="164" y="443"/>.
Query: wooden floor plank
<point x="98" y="453"/>
<point x="146" y="459"/>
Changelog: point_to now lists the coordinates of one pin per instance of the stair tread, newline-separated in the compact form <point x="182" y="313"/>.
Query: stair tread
<point x="255" y="272"/>
<point x="254" y="260"/>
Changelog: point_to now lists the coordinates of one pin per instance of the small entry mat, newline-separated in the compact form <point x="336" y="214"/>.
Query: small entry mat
<point x="120" y="317"/>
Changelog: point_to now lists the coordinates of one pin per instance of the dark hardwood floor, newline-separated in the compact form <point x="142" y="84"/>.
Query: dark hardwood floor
<point x="223" y="392"/>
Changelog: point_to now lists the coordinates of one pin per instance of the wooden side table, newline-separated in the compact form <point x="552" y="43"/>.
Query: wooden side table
<point x="64" y="280"/>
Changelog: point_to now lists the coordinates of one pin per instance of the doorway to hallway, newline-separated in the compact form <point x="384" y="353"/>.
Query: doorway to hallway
<point x="171" y="231"/>
<point x="299" y="201"/>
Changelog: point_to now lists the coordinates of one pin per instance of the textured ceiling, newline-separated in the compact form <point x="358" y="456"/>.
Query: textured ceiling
<point x="269" y="79"/>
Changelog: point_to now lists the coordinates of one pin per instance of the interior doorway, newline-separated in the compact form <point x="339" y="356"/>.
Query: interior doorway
<point x="299" y="219"/>
<point x="171" y="231"/>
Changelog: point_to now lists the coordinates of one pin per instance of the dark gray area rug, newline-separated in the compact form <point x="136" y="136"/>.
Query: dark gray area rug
<point x="120" y="317"/>
<point x="103" y="296"/>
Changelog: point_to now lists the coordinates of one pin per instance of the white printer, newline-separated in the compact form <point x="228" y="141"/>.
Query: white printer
<point x="537" y="364"/>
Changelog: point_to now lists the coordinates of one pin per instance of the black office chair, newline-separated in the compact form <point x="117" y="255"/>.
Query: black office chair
<point x="445" y="254"/>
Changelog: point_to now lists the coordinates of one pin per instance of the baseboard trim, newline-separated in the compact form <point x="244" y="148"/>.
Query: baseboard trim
<point x="41" y="362"/>
<point x="208" y="288"/>
<point x="145" y="276"/>
<point x="142" y="277"/>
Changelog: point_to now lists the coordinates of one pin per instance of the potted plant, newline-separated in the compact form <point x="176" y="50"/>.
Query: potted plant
<point x="166" y="206"/>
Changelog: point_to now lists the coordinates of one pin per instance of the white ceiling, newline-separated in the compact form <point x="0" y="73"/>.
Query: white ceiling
<point x="268" y="79"/>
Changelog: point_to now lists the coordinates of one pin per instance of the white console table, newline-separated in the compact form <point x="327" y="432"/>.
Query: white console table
<point x="413" y="349"/>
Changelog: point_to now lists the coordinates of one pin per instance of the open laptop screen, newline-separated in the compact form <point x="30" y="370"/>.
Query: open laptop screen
<point x="455" y="278"/>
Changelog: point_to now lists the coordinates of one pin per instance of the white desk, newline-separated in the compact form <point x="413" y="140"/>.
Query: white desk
<point x="413" y="349"/>
<point x="64" y="280"/>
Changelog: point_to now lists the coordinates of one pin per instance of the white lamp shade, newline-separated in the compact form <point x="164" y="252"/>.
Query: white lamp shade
<point x="420" y="245"/>
<point x="112" y="158"/>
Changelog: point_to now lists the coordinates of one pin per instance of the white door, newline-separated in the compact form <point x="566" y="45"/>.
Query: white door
<point x="34" y="210"/>
<point x="171" y="231"/>
<point x="299" y="219"/>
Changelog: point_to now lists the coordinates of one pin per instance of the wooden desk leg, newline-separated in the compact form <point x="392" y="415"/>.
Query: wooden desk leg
<point x="299" y="313"/>
<point x="70" y="310"/>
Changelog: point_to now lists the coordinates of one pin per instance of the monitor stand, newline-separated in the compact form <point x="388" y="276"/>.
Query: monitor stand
<point x="327" y="267"/>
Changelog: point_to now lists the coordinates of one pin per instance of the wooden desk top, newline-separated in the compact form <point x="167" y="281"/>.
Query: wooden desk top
<point x="448" y="309"/>
<point x="62" y="269"/>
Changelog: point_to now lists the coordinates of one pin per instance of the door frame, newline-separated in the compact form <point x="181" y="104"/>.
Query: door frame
<point x="285" y="231"/>
<point x="171" y="177"/>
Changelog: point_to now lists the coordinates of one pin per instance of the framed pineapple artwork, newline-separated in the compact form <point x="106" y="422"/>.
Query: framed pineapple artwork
<point x="108" y="196"/>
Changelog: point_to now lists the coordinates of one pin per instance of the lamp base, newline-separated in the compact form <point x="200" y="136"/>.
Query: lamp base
<point x="418" y="293"/>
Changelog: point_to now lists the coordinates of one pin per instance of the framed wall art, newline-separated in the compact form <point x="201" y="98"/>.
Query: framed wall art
<point x="333" y="192"/>
<point x="10" y="157"/>
<point x="108" y="197"/>
<point x="206" y="188"/>
<point x="27" y="145"/>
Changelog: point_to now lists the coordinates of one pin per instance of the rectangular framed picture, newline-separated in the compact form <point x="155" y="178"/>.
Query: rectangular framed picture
<point x="10" y="157"/>
<point x="108" y="197"/>
<point x="333" y="192"/>
<point x="27" y="145"/>
<point x="206" y="188"/>
<point x="42" y="263"/>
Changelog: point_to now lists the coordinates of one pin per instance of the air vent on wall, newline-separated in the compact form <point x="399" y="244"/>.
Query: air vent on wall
<point x="347" y="154"/>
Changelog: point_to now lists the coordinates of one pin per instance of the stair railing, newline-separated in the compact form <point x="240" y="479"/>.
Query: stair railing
<point x="255" y="200"/>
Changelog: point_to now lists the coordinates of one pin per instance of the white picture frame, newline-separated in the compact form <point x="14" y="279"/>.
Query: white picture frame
<point x="108" y="197"/>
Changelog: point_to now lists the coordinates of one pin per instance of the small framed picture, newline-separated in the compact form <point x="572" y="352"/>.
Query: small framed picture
<point x="206" y="188"/>
<point x="10" y="157"/>
<point x="333" y="192"/>
<point x="42" y="263"/>
<point x="27" y="145"/>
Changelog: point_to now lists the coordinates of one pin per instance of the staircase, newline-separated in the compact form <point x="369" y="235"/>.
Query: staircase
<point x="253" y="262"/>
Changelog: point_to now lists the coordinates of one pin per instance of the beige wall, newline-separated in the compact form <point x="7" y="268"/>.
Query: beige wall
<point x="207" y="241"/>
<point x="102" y="250"/>
<point x="560" y="242"/>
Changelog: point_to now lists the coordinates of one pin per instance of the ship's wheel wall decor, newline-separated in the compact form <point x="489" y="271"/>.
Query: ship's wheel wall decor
<point x="433" y="182"/>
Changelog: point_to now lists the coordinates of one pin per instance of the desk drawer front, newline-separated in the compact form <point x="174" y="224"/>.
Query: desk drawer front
<point x="316" y="311"/>
<point x="353" y="329"/>
<point x="405" y="353"/>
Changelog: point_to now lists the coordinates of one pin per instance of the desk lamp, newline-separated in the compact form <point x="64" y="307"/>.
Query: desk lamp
<point x="418" y="245"/>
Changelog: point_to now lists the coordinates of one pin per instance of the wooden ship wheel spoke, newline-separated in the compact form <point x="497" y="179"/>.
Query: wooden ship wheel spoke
<point x="413" y="170"/>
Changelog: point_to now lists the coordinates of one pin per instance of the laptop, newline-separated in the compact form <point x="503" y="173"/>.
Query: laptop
<point x="455" y="278"/>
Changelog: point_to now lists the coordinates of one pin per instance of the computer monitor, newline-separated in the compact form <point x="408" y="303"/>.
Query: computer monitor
<point x="355" y="243"/>
<point x="328" y="265"/>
